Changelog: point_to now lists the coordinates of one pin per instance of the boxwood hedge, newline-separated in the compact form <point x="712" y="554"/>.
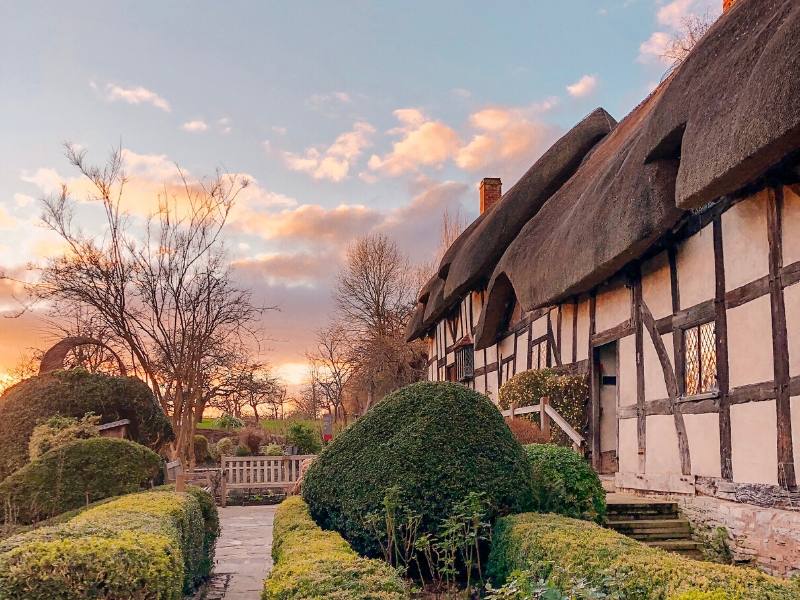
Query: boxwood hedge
<point x="565" y="551"/>
<point x="75" y="474"/>
<point x="564" y="483"/>
<point x="435" y="443"/>
<point x="145" y="545"/>
<point x="312" y="563"/>
<point x="73" y="393"/>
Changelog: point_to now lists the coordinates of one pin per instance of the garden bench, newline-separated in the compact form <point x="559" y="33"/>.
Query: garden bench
<point x="261" y="472"/>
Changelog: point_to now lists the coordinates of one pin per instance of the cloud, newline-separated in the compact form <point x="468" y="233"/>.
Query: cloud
<point x="507" y="137"/>
<point x="461" y="93"/>
<point x="196" y="126"/>
<point x="6" y="220"/>
<point x="654" y="48"/>
<point x="583" y="87"/>
<point x="334" y="162"/>
<point x="22" y="200"/>
<point x="135" y="95"/>
<point x="672" y="18"/>
<point x="313" y="223"/>
<point x="279" y="130"/>
<point x="224" y="125"/>
<point x="331" y="100"/>
<point x="423" y="142"/>
<point x="303" y="268"/>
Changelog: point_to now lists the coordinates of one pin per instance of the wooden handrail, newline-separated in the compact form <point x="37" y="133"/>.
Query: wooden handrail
<point x="545" y="410"/>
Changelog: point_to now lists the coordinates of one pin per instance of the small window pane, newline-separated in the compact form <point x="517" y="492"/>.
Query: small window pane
<point x="700" y="353"/>
<point x="692" y="362"/>
<point x="708" y="357"/>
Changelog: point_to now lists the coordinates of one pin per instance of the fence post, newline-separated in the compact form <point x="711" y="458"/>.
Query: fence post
<point x="544" y="418"/>
<point x="180" y="482"/>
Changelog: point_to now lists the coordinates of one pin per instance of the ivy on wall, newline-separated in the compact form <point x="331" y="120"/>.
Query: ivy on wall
<point x="569" y="395"/>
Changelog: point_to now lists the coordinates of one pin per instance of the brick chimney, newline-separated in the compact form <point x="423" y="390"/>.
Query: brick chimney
<point x="726" y="4"/>
<point x="491" y="191"/>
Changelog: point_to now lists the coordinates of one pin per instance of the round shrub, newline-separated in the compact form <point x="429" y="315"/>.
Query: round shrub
<point x="73" y="393"/>
<point x="432" y="442"/>
<point x="76" y="474"/>
<point x="228" y="421"/>
<point x="305" y="437"/>
<point x="271" y="450"/>
<point x="568" y="394"/>
<point x="242" y="451"/>
<point x="201" y="454"/>
<point x="225" y="447"/>
<point x="252" y="438"/>
<point x="564" y="483"/>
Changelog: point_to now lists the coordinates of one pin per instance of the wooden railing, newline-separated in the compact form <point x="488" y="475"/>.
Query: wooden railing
<point x="546" y="413"/>
<point x="278" y="472"/>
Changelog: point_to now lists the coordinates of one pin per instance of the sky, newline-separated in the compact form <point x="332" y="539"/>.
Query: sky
<point x="347" y="117"/>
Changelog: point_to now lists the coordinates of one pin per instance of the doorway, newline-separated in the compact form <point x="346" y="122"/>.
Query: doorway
<point x="607" y="371"/>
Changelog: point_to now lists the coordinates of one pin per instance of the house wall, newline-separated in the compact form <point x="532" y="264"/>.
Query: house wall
<point x="720" y="271"/>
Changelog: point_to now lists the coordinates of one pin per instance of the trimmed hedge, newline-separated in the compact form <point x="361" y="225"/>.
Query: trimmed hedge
<point x="435" y="443"/>
<point x="146" y="545"/>
<point x="564" y="483"/>
<point x="73" y="393"/>
<point x="312" y="563"/>
<point x="76" y="474"/>
<point x="564" y="551"/>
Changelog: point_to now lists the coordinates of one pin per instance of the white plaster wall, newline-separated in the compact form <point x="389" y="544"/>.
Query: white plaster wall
<point x="628" y="449"/>
<point x="744" y="241"/>
<point x="656" y="286"/>
<point x="613" y="307"/>
<point x="703" y="434"/>
<point x="754" y="442"/>
<point x="491" y="386"/>
<point x="522" y="352"/>
<point x="662" y="446"/>
<point x="583" y="330"/>
<point x="791" y="296"/>
<point x="750" y="343"/>
<point x="566" y="332"/>
<point x="506" y="346"/>
<point x="654" y="385"/>
<point x="479" y="359"/>
<point x="791" y="226"/>
<point x="476" y="307"/>
<point x="491" y="354"/>
<point x="695" y="264"/>
<point x="626" y="380"/>
<point x="480" y="385"/>
<point x="794" y="404"/>
<point x="539" y="327"/>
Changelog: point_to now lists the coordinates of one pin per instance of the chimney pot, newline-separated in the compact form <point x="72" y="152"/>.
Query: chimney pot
<point x="491" y="192"/>
<point x="726" y="4"/>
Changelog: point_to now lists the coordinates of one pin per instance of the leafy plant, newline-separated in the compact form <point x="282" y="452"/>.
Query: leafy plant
<point x="242" y="451"/>
<point x="201" y="449"/>
<point x="305" y="437"/>
<point x="271" y="450"/>
<point x="228" y="421"/>
<point x="568" y="394"/>
<point x="59" y="430"/>
<point x="252" y="438"/>
<point x="225" y="447"/>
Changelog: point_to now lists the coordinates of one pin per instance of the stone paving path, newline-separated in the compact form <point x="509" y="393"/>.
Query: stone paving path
<point x="244" y="550"/>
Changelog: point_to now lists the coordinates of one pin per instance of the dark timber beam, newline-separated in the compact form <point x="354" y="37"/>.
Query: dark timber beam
<point x="780" y="345"/>
<point x="641" y="418"/>
<point x="594" y="378"/>
<point x="721" y="329"/>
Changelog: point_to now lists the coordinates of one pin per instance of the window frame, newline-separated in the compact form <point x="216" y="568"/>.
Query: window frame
<point x="699" y="389"/>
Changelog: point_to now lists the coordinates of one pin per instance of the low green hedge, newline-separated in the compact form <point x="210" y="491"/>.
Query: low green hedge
<point x="74" y="475"/>
<point x="312" y="563"/>
<point x="565" y="551"/>
<point x="564" y="483"/>
<point x="151" y="545"/>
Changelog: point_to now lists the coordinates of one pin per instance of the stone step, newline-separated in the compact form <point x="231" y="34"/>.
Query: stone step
<point x="688" y="548"/>
<point x="642" y="511"/>
<point x="649" y="524"/>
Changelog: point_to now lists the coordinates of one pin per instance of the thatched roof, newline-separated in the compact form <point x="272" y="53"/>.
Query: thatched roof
<point x="478" y="253"/>
<point x="727" y="116"/>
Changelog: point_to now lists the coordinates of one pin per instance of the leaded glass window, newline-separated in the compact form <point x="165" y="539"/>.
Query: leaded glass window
<point x="700" y="352"/>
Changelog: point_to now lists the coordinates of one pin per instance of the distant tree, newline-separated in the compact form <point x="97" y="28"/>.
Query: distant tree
<point x="691" y="31"/>
<point x="332" y="363"/>
<point x="163" y="291"/>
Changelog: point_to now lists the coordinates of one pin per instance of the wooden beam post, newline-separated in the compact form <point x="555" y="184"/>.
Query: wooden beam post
<point x="594" y="374"/>
<point x="780" y="344"/>
<point x="641" y="415"/>
<point x="544" y="418"/>
<point x="721" y="329"/>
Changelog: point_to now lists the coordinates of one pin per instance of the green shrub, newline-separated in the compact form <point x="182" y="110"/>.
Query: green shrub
<point x="436" y="443"/>
<point x="76" y="474"/>
<point x="74" y="393"/>
<point x="228" y="421"/>
<point x="242" y="451"/>
<point x="312" y="563"/>
<point x="201" y="453"/>
<point x="569" y="395"/>
<point x="564" y="483"/>
<point x="305" y="437"/>
<point x="271" y="450"/>
<point x="564" y="551"/>
<point x="57" y="431"/>
<point x="146" y="545"/>
<point x="225" y="447"/>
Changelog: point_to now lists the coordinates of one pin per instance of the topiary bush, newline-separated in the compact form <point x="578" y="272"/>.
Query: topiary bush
<point x="569" y="395"/>
<point x="312" y="563"/>
<point x="564" y="552"/>
<point x="242" y="451"/>
<point x="564" y="483"/>
<point x="73" y="393"/>
<point x="305" y="437"/>
<point x="76" y="474"/>
<point x="57" y="431"/>
<point x="201" y="453"/>
<point x="225" y="447"/>
<point x="148" y="545"/>
<point x="435" y="443"/>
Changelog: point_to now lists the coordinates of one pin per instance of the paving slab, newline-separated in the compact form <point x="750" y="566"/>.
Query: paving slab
<point x="244" y="549"/>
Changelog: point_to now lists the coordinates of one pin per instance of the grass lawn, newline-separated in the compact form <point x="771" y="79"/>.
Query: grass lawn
<point x="276" y="426"/>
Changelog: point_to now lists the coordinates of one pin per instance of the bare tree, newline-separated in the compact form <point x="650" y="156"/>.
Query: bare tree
<point x="332" y="364"/>
<point x="691" y="31"/>
<point x="166" y="295"/>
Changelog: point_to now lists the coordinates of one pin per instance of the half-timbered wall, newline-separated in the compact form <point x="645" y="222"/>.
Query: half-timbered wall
<point x="729" y="278"/>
